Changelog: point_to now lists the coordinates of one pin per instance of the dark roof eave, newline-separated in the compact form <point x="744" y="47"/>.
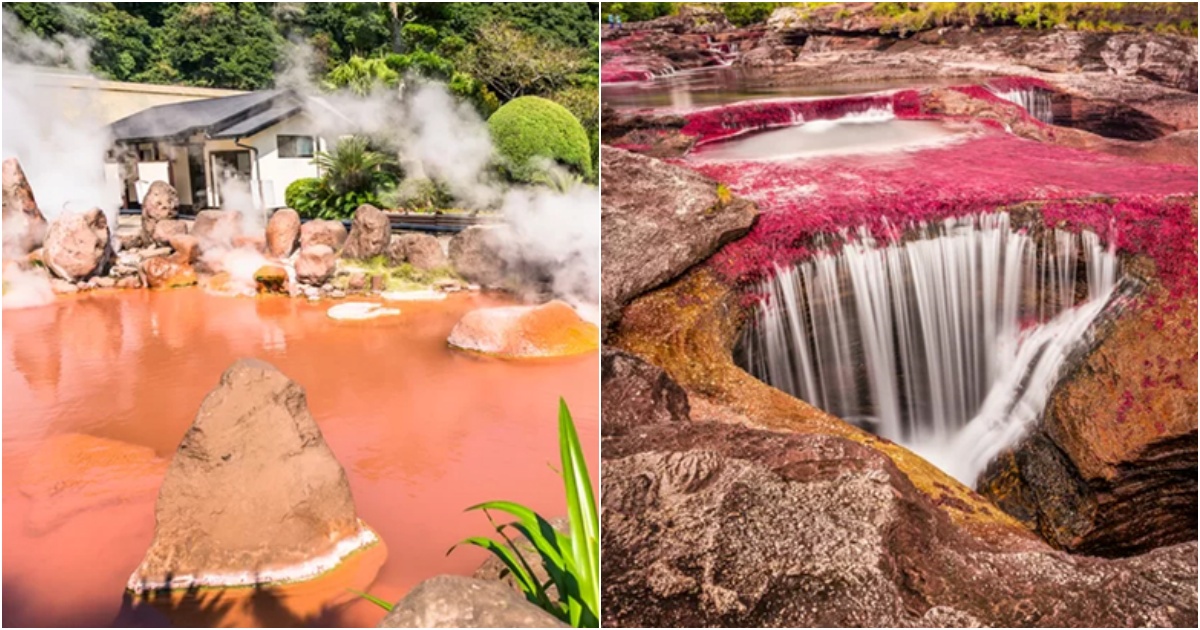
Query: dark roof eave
<point x="250" y="131"/>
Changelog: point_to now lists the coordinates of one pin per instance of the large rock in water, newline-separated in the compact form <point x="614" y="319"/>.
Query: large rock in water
<point x="475" y="253"/>
<point x="1111" y="468"/>
<point x="552" y="329"/>
<point x="283" y="232"/>
<point x="24" y="225"/>
<point x="332" y="234"/>
<point x="454" y="601"/>
<point x="160" y="204"/>
<point x="657" y="221"/>
<point x="422" y="251"/>
<point x="370" y="232"/>
<point x="710" y="524"/>
<point x="315" y="264"/>
<point x="77" y="245"/>
<point x="253" y="494"/>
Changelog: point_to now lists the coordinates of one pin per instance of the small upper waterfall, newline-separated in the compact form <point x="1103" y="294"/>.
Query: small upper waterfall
<point x="949" y="343"/>
<point x="1035" y="101"/>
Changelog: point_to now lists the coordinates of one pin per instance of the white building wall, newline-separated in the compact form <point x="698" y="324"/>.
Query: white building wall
<point x="278" y="172"/>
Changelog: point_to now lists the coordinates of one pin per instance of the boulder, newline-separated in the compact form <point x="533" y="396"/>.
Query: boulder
<point x="24" y="225"/>
<point x="216" y="229"/>
<point x="636" y="393"/>
<point x="187" y="248"/>
<point x="160" y="204"/>
<point x="657" y="220"/>
<point x="475" y="254"/>
<point x="357" y="281"/>
<point x="494" y="569"/>
<point x="167" y="272"/>
<point x="1110" y="470"/>
<point x="253" y="495"/>
<point x="548" y="330"/>
<point x="271" y="279"/>
<point x="254" y="242"/>
<point x="323" y="232"/>
<point x="454" y="601"/>
<point x="369" y="233"/>
<point x="77" y="246"/>
<point x="283" y="233"/>
<point x="315" y="264"/>
<point x="422" y="251"/>
<point x="718" y="525"/>
<point x="165" y="229"/>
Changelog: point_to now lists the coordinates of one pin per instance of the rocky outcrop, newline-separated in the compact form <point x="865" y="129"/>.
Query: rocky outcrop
<point x="717" y="525"/>
<point x="323" y="232"/>
<point x="315" y="264"/>
<point x="657" y="220"/>
<point x="167" y="272"/>
<point x="1111" y="469"/>
<point x="369" y="233"/>
<point x="283" y="232"/>
<point x="166" y="229"/>
<point x="422" y="251"/>
<point x="453" y="601"/>
<point x="552" y="329"/>
<point x="271" y="279"/>
<point x="494" y="569"/>
<point x="187" y="248"/>
<point x="253" y="495"/>
<point x="161" y="203"/>
<point x="217" y="229"/>
<point x="24" y="225"/>
<point x="635" y="393"/>
<point x="475" y="254"/>
<point x="77" y="245"/>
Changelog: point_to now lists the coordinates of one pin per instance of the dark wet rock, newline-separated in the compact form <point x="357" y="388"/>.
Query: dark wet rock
<point x="315" y="264"/>
<point x="636" y="393"/>
<point x="253" y="491"/>
<point x="369" y="233"/>
<point x="24" y="225"/>
<point x="77" y="245"/>
<point x="422" y="251"/>
<point x="161" y="203"/>
<point x="454" y="601"/>
<point x="475" y="254"/>
<point x="1111" y="468"/>
<point x="166" y="229"/>
<point x="657" y="220"/>
<point x="283" y="232"/>
<point x="709" y="524"/>
<point x="323" y="232"/>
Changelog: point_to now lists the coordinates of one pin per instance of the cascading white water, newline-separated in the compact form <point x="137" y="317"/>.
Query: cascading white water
<point x="1035" y="101"/>
<point x="949" y="343"/>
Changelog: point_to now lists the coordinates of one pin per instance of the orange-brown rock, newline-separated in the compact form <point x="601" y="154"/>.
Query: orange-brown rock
<point x="256" y="242"/>
<point x="161" y="203"/>
<point x="283" y="232"/>
<point x="187" y="248"/>
<point x="24" y="225"/>
<point x="323" y="232"/>
<point x="77" y="245"/>
<point x="165" y="272"/>
<point x="271" y="279"/>
<point x="549" y="330"/>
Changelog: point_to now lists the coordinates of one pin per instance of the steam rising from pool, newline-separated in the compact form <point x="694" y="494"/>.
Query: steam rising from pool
<point x="949" y="344"/>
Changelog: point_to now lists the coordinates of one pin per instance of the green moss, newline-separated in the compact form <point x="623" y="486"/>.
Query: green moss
<point x="532" y="127"/>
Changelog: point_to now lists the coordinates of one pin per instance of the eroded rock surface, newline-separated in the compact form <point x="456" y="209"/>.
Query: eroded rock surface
<point x="323" y="232"/>
<point x="24" y="225"/>
<point x="253" y="494"/>
<point x="657" y="221"/>
<point x="552" y="329"/>
<point x="315" y="263"/>
<point x="77" y="245"/>
<point x="369" y="233"/>
<point x="454" y="601"/>
<point x="422" y="251"/>
<point x="475" y="254"/>
<point x="161" y="203"/>
<point x="283" y="232"/>
<point x="635" y="393"/>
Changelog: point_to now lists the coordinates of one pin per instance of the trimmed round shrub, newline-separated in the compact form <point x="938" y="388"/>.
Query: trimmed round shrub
<point x="530" y="127"/>
<point x="301" y="192"/>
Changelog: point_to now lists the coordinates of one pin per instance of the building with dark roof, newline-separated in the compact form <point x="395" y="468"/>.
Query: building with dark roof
<point x="233" y="151"/>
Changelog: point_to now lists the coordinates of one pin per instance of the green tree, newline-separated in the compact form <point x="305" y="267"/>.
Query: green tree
<point x="514" y="63"/>
<point x="362" y="76"/>
<point x="221" y="44"/>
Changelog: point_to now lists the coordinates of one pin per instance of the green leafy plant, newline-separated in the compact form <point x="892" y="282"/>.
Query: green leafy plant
<point x="572" y="561"/>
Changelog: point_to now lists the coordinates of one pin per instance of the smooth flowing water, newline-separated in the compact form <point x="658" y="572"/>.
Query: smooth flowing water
<point x="1035" y="101"/>
<point x="100" y="388"/>
<point x="949" y="343"/>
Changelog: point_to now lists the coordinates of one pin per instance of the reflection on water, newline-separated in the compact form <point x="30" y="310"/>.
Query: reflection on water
<point x="99" y="389"/>
<point x="694" y="89"/>
<point x="873" y="132"/>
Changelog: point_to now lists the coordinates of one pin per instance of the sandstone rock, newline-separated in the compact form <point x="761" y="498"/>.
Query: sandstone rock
<point x="271" y="279"/>
<point x="636" y="393"/>
<point x="163" y="272"/>
<point x="454" y="601"/>
<point x="708" y="524"/>
<point x="283" y="232"/>
<point x="253" y="494"/>
<point x="255" y="242"/>
<point x="547" y="330"/>
<point x="165" y="229"/>
<point x="422" y="251"/>
<point x="187" y="248"/>
<point x="129" y="282"/>
<point x="1111" y="469"/>
<point x="369" y="233"/>
<point x="378" y="283"/>
<point x="357" y="281"/>
<point x="323" y="232"/>
<point x="77" y="245"/>
<point x="656" y="221"/>
<point x="63" y="287"/>
<point x="475" y="254"/>
<point x="24" y="226"/>
<point x="315" y="263"/>
<point x="493" y="568"/>
<point x="160" y="204"/>
<point x="217" y="228"/>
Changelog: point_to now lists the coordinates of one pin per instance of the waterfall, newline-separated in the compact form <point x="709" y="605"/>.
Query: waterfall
<point x="1035" y="101"/>
<point x="949" y="343"/>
